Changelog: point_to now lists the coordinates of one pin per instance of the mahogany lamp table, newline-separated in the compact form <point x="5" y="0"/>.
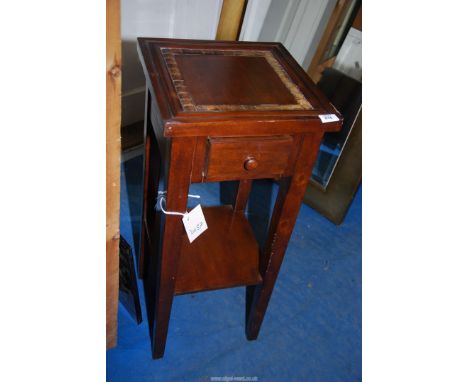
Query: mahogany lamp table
<point x="218" y="111"/>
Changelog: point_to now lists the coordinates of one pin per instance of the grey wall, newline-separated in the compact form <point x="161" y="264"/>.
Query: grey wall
<point x="196" y="19"/>
<point x="298" y="24"/>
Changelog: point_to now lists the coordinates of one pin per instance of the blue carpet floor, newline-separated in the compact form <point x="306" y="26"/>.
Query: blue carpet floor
<point x="311" y="331"/>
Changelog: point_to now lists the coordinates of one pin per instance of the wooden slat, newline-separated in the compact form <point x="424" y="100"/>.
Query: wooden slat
<point x="319" y="71"/>
<point x="113" y="107"/>
<point x="230" y="20"/>
<point x="336" y="16"/>
<point x="357" y="23"/>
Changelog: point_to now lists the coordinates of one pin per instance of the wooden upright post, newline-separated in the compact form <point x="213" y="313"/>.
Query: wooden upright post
<point x="113" y="107"/>
<point x="230" y="20"/>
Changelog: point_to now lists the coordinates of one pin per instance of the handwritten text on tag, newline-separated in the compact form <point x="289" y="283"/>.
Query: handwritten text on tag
<point x="194" y="223"/>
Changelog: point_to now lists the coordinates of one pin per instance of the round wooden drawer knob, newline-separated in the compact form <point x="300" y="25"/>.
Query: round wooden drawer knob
<point x="250" y="164"/>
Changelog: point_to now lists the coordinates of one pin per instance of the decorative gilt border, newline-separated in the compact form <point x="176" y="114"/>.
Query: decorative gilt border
<point x="188" y="103"/>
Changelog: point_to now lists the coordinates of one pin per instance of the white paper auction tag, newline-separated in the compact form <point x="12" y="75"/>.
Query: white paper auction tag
<point x="194" y="223"/>
<point x="325" y="118"/>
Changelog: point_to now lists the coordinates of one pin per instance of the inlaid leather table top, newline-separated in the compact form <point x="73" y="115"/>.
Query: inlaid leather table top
<point x="213" y="82"/>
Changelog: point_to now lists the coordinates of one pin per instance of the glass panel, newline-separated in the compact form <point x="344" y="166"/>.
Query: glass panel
<point x="326" y="160"/>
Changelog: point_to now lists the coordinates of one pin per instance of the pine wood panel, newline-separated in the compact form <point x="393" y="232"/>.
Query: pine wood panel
<point x="113" y="108"/>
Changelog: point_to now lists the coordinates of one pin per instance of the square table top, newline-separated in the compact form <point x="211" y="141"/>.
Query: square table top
<point x="198" y="82"/>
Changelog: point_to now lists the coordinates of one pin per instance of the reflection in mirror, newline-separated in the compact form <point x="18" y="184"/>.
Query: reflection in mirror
<point x="345" y="93"/>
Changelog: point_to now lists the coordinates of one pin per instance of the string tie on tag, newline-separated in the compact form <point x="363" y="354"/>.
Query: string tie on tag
<point x="161" y="197"/>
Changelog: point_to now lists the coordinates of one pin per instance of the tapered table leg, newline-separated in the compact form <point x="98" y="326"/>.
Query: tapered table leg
<point x="287" y="207"/>
<point x="177" y="183"/>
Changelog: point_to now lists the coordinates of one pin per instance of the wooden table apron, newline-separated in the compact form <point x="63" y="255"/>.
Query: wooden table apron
<point x="175" y="157"/>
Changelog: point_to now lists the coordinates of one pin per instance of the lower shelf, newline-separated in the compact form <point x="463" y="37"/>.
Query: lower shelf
<point x="225" y="255"/>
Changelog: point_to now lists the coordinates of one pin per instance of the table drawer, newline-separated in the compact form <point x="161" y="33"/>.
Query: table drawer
<point x="253" y="157"/>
